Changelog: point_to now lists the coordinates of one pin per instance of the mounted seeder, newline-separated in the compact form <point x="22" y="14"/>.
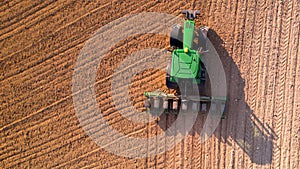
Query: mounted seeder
<point x="186" y="74"/>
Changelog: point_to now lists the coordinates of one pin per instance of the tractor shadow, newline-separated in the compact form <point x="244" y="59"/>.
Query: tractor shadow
<point x="240" y="126"/>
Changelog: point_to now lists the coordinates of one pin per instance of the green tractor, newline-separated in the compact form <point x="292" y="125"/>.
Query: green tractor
<point x="186" y="73"/>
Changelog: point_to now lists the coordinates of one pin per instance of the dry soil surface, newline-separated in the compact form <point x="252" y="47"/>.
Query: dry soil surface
<point x="258" y="43"/>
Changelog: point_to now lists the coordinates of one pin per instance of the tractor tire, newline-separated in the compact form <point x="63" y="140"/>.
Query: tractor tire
<point x="176" y="37"/>
<point x="201" y="38"/>
<point x="204" y="86"/>
<point x="170" y="85"/>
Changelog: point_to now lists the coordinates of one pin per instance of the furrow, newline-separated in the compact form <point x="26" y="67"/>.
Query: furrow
<point x="73" y="23"/>
<point x="27" y="78"/>
<point x="39" y="83"/>
<point x="38" y="21"/>
<point x="9" y="4"/>
<point x="91" y="129"/>
<point x="16" y="11"/>
<point x="59" y="21"/>
<point x="102" y="80"/>
<point x="16" y="22"/>
<point x="45" y="120"/>
<point x="262" y="71"/>
<point x="79" y="91"/>
<point x="102" y="95"/>
<point x="58" y="40"/>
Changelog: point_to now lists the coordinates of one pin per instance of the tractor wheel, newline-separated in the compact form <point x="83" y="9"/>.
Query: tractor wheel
<point x="176" y="37"/>
<point x="204" y="86"/>
<point x="201" y="36"/>
<point x="170" y="85"/>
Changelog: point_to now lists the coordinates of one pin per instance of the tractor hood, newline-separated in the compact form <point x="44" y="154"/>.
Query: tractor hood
<point x="185" y="65"/>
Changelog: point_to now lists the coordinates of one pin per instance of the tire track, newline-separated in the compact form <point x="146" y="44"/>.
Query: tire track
<point x="223" y="142"/>
<point x="212" y="154"/>
<point x="169" y="162"/>
<point x="296" y="138"/>
<point x="295" y="38"/>
<point x="188" y="152"/>
<point x="261" y="90"/>
<point x="295" y="120"/>
<point x="217" y="146"/>
<point x="289" y="90"/>
<point x="178" y="148"/>
<point x="197" y="147"/>
<point x="246" y="60"/>
<point x="255" y="62"/>
<point x="207" y="154"/>
<point x="231" y="121"/>
<point x="152" y="130"/>
<point x="281" y="96"/>
<point x="237" y="50"/>
<point x="260" y="141"/>
<point x="271" y="50"/>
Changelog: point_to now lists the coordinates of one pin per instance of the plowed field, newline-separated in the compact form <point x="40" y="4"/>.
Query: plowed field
<point x="258" y="42"/>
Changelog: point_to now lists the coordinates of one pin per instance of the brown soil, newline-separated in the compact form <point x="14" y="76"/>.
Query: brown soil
<point x="258" y="43"/>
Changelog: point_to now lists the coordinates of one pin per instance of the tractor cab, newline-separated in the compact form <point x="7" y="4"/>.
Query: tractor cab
<point x="186" y="61"/>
